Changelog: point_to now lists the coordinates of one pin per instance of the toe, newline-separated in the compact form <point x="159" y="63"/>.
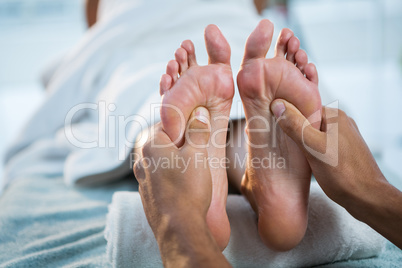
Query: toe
<point x="311" y="73"/>
<point x="259" y="41"/>
<point x="217" y="47"/>
<point x="165" y="84"/>
<point x="293" y="47"/>
<point x="172" y="69"/>
<point x="301" y="60"/>
<point x="282" y="42"/>
<point x="181" y="58"/>
<point x="189" y="47"/>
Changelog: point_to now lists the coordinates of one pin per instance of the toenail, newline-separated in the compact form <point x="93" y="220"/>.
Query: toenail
<point x="278" y="108"/>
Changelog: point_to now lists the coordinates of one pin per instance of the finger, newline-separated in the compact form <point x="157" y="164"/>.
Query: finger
<point x="139" y="172"/>
<point x="198" y="128"/>
<point x="157" y="139"/>
<point x="296" y="126"/>
<point x="353" y="122"/>
<point x="330" y="119"/>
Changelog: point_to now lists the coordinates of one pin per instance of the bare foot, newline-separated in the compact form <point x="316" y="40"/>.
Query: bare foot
<point x="278" y="194"/>
<point x="186" y="85"/>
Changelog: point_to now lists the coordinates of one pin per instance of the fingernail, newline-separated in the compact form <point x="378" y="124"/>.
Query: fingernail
<point x="202" y="114"/>
<point x="278" y="108"/>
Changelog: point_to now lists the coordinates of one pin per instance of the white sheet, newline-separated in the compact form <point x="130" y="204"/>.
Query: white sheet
<point x="118" y="62"/>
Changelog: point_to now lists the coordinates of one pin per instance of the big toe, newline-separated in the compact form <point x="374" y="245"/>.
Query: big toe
<point x="259" y="41"/>
<point x="217" y="47"/>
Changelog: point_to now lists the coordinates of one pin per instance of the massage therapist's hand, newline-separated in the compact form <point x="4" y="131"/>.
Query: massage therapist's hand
<point x="176" y="188"/>
<point x="345" y="168"/>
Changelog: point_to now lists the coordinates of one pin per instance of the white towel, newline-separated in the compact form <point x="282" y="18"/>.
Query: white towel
<point x="332" y="235"/>
<point x="118" y="64"/>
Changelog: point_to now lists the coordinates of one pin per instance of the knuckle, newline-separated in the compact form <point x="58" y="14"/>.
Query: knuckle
<point x="342" y="114"/>
<point x="291" y="126"/>
<point x="135" y="167"/>
<point x="138" y="170"/>
<point x="295" y="125"/>
<point x="146" y="149"/>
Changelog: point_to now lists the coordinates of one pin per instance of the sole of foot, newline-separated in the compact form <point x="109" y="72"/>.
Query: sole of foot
<point x="279" y="192"/>
<point x="185" y="86"/>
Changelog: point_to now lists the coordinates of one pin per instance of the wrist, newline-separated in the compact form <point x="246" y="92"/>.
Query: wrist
<point x="185" y="241"/>
<point x="175" y="223"/>
<point x="180" y="223"/>
<point x="372" y="201"/>
<point x="358" y="189"/>
<point x="381" y="211"/>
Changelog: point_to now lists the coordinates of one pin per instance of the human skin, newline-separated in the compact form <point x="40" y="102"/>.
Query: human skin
<point x="260" y="5"/>
<point x="91" y="9"/>
<point x="357" y="185"/>
<point x="278" y="193"/>
<point x="176" y="200"/>
<point x="346" y="169"/>
<point x="91" y="12"/>
<point x="187" y="85"/>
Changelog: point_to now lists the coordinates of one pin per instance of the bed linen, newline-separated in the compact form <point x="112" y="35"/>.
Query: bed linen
<point x="101" y="94"/>
<point x="44" y="223"/>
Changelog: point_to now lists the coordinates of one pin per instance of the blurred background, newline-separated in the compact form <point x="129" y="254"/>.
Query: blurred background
<point x="33" y="33"/>
<point x="356" y="44"/>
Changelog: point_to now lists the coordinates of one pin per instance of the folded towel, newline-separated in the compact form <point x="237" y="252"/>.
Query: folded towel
<point x="332" y="235"/>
